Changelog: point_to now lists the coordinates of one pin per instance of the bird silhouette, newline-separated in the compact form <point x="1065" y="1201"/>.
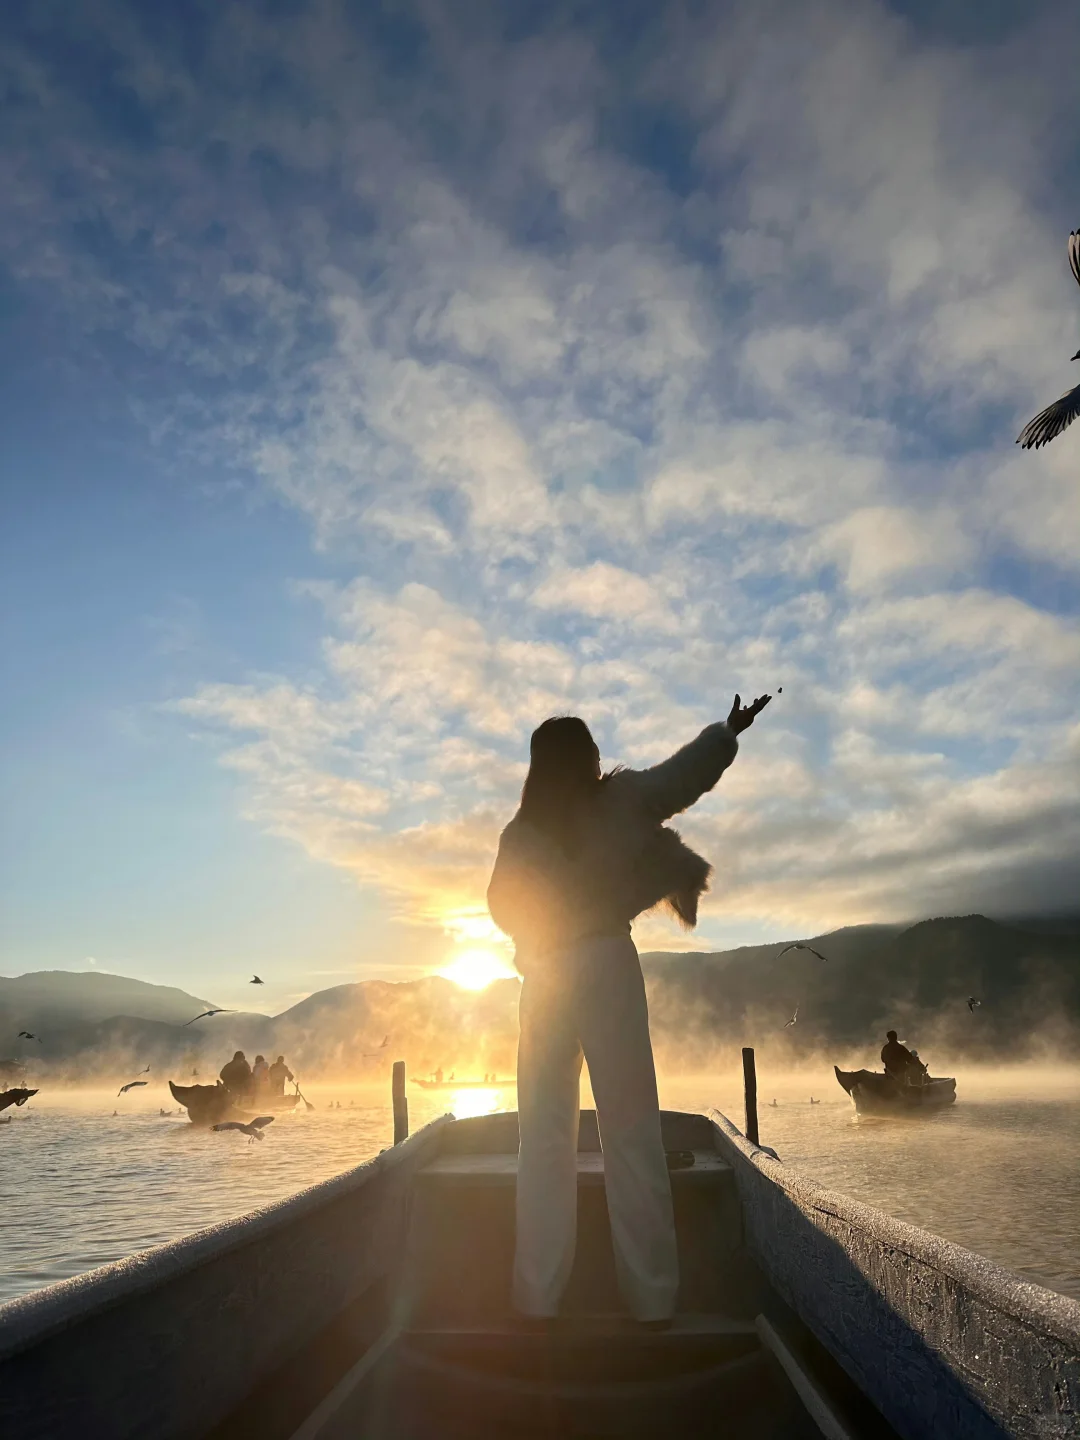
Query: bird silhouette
<point x="372" y="1054"/>
<point x="813" y="1101"/>
<point x="205" y="1015"/>
<point x="973" y="1004"/>
<point x="256" y="981"/>
<point x="253" y="1129"/>
<point x="1049" y="423"/>
<point x="789" y="1023"/>
<point x="131" y="1085"/>
<point x="798" y="945"/>
<point x="145" y="1072"/>
<point x="25" y="1035"/>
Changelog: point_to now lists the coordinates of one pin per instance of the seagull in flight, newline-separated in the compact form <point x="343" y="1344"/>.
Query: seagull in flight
<point x="973" y="1004"/>
<point x="253" y="1129"/>
<point x="256" y="981"/>
<point x="131" y="1085"/>
<point x="789" y="1023"/>
<point x="205" y="1014"/>
<point x="372" y="1054"/>
<point x="25" y="1035"/>
<point x="146" y="1071"/>
<point x="798" y="945"/>
<point x="1049" y="423"/>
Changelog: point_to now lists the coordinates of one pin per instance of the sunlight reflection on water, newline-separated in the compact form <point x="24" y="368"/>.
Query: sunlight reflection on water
<point x="1000" y="1173"/>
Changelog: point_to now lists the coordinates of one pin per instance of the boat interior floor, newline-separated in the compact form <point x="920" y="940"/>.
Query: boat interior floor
<point x="455" y="1363"/>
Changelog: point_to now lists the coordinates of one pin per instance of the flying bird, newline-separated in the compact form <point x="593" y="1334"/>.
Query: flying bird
<point x="205" y="1014"/>
<point x="256" y="981"/>
<point x="371" y="1054"/>
<point x="25" y="1035"/>
<point x="789" y="1023"/>
<point x="973" y="1004"/>
<point x="1057" y="417"/>
<point x="798" y="945"/>
<point x="253" y="1129"/>
<point x="146" y="1071"/>
<point x="131" y="1085"/>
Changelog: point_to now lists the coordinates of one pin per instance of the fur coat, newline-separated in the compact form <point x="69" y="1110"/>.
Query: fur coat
<point x="628" y="860"/>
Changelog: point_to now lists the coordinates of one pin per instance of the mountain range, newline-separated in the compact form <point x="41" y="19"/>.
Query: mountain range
<point x="916" y="979"/>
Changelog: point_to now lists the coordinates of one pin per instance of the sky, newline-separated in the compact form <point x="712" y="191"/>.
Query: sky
<point x="381" y="379"/>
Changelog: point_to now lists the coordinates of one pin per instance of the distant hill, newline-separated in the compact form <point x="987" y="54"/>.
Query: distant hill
<point x="47" y="998"/>
<point x="915" y="980"/>
<point x="703" y="1005"/>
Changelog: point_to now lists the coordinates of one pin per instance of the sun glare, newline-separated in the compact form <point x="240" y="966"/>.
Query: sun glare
<point x="476" y="969"/>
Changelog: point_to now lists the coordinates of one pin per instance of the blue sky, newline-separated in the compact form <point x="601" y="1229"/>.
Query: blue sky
<point x="380" y="381"/>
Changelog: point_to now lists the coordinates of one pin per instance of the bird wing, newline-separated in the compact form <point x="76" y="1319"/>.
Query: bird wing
<point x="261" y="1120"/>
<point x="1049" y="423"/>
<point x="228" y="1125"/>
<point x="818" y="953"/>
<point x="198" y="1017"/>
<point x="1074" y="253"/>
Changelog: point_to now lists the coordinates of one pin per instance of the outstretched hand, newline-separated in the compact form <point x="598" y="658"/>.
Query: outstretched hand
<point x="742" y="716"/>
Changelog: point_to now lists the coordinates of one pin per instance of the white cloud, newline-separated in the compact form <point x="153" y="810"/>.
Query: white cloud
<point x="593" y="440"/>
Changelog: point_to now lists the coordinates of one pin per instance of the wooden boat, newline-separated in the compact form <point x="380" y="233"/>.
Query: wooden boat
<point x="210" y="1104"/>
<point x="376" y="1305"/>
<point x="873" y="1093"/>
<point x="15" y="1097"/>
<point x="465" y="1084"/>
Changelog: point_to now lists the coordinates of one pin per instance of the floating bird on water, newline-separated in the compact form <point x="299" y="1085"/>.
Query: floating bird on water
<point x="253" y="1129"/>
<point x="789" y="1023"/>
<point x="131" y="1085"/>
<point x="973" y="1004"/>
<point x="1057" y="417"/>
<point x="206" y="1014"/>
<point x="813" y="1101"/>
<point x="798" y="945"/>
<point x="25" y="1035"/>
<point x="256" y="981"/>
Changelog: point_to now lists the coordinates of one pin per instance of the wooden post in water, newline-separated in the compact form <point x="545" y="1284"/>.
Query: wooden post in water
<point x="749" y="1074"/>
<point x="401" y="1104"/>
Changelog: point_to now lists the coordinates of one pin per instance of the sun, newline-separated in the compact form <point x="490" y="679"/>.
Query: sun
<point x="476" y="969"/>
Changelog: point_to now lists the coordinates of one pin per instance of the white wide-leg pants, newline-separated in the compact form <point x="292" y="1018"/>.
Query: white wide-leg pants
<point x="591" y="1001"/>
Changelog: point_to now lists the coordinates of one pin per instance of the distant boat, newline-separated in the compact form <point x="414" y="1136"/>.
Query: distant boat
<point x="464" y="1084"/>
<point x="378" y="1304"/>
<point x="210" y="1104"/>
<point x="875" y="1094"/>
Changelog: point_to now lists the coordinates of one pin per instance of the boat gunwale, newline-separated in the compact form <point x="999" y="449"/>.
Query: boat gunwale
<point x="29" y="1319"/>
<point x="1044" y="1311"/>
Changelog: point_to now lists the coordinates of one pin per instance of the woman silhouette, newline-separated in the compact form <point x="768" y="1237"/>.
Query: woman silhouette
<point x="586" y="853"/>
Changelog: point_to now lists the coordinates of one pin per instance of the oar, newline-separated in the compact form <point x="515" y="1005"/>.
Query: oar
<point x="306" y="1101"/>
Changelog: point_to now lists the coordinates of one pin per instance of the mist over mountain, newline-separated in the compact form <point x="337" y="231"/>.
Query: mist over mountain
<point x="915" y="979"/>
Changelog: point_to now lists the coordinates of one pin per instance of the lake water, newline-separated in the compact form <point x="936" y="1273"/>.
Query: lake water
<point x="999" y="1173"/>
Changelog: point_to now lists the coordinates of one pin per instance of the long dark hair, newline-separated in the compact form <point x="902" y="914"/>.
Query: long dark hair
<point x="564" y="776"/>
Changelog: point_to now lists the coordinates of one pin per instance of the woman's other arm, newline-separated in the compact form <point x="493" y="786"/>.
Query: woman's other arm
<point x="521" y="894"/>
<point x="676" y="783"/>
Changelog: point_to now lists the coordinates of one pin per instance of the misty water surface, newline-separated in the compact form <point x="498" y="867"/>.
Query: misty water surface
<point x="999" y="1174"/>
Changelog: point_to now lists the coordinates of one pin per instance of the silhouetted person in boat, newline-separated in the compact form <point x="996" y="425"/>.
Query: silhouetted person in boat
<point x="279" y="1073"/>
<point x="260" y="1078"/>
<point x="585" y="854"/>
<point x="236" y="1075"/>
<point x="898" y="1060"/>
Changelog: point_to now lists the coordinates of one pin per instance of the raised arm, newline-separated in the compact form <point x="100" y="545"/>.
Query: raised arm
<point x="676" y="783"/>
